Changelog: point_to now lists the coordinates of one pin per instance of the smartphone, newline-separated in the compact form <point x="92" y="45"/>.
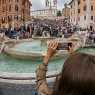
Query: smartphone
<point x="64" y="46"/>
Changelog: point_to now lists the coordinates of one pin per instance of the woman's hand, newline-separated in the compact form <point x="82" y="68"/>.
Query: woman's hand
<point x="51" y="51"/>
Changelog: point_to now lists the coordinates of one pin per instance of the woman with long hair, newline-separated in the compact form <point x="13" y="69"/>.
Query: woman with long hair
<point x="77" y="76"/>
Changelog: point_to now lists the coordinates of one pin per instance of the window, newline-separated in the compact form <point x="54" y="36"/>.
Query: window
<point x="71" y="6"/>
<point x="84" y="8"/>
<point x="78" y="10"/>
<point x="4" y="9"/>
<point x="91" y="17"/>
<point x="78" y="2"/>
<point x="92" y="8"/>
<point x="16" y="7"/>
<point x="9" y="18"/>
<point x="10" y="8"/>
<point x="84" y="17"/>
<point x="3" y="20"/>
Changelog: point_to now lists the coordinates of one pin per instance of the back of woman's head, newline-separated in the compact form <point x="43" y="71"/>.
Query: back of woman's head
<point x="77" y="77"/>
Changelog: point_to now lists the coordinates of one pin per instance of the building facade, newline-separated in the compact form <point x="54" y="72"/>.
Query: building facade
<point x="66" y="11"/>
<point x="14" y="13"/>
<point x="82" y="13"/>
<point x="45" y="13"/>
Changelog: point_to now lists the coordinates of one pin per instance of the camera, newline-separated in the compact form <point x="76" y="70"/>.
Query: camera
<point x="64" y="46"/>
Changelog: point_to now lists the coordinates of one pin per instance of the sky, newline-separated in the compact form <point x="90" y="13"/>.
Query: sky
<point x="40" y="4"/>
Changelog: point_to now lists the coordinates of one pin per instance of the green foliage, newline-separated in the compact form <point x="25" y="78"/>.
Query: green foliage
<point x="59" y="13"/>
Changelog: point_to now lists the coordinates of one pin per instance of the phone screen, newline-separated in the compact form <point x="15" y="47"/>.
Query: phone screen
<point x="64" y="46"/>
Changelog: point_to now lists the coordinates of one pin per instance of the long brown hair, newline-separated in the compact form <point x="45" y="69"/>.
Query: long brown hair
<point x="77" y="77"/>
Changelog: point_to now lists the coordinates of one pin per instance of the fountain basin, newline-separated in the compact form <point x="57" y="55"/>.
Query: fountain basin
<point x="23" y="56"/>
<point x="30" y="49"/>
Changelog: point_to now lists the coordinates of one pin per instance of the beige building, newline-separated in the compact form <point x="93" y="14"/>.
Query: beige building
<point x="14" y="13"/>
<point x="66" y="11"/>
<point x="82" y="13"/>
<point x="45" y="13"/>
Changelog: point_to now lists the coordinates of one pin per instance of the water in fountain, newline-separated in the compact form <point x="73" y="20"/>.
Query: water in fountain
<point x="12" y="65"/>
<point x="34" y="47"/>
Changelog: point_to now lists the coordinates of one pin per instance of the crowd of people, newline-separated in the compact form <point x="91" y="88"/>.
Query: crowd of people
<point x="18" y="32"/>
<point x="53" y="28"/>
<point x="38" y="27"/>
<point x="45" y="28"/>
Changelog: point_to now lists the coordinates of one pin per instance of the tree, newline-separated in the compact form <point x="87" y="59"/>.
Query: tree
<point x="59" y="13"/>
